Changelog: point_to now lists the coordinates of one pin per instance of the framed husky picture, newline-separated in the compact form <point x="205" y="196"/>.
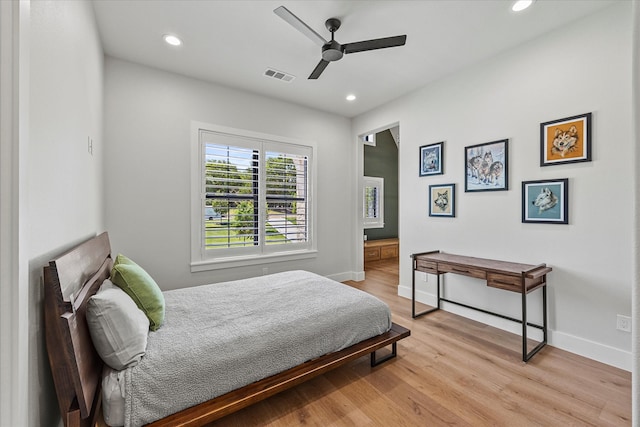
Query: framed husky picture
<point x="431" y="158"/>
<point x="566" y="140"/>
<point x="546" y="201"/>
<point x="442" y="200"/>
<point x="487" y="166"/>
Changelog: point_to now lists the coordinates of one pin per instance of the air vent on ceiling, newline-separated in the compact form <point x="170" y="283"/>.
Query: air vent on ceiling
<point x="279" y="75"/>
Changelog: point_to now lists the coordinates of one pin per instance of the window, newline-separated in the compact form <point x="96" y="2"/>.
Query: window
<point x="373" y="202"/>
<point x="369" y="139"/>
<point x="253" y="198"/>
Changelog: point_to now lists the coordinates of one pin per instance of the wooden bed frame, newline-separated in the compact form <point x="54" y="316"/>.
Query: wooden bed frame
<point x="72" y="278"/>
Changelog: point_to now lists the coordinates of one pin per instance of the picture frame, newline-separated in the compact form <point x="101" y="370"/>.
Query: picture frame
<point x="442" y="200"/>
<point x="487" y="166"/>
<point x="566" y="140"/>
<point x="546" y="201"/>
<point x="432" y="159"/>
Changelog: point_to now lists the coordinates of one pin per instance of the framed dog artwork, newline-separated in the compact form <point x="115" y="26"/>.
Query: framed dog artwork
<point x="487" y="166"/>
<point x="546" y="201"/>
<point x="566" y="140"/>
<point x="442" y="200"/>
<point x="431" y="158"/>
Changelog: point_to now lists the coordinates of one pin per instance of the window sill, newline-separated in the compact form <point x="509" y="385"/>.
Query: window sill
<point x="377" y="225"/>
<point x="242" y="261"/>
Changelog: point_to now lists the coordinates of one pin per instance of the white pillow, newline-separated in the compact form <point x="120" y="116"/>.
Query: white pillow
<point x="113" y="397"/>
<point x="117" y="326"/>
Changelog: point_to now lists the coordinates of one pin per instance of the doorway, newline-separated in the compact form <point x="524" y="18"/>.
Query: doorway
<point x="380" y="197"/>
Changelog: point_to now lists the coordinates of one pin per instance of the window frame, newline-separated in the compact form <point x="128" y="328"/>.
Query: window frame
<point x="202" y="259"/>
<point x="375" y="182"/>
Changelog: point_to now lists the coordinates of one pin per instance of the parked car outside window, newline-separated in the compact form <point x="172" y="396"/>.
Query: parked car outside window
<point x="210" y="213"/>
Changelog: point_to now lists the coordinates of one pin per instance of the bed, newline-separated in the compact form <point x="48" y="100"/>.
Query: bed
<point x="73" y="278"/>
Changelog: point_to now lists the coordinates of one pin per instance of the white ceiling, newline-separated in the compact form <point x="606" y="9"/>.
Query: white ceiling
<point x="233" y="42"/>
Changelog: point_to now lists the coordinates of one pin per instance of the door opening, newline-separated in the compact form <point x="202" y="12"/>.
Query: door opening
<point x="379" y="197"/>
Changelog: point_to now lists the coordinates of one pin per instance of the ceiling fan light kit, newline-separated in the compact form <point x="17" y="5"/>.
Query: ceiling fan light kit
<point x="332" y="50"/>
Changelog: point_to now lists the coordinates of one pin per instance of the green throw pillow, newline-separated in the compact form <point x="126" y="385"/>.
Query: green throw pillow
<point x="141" y="288"/>
<point x="121" y="259"/>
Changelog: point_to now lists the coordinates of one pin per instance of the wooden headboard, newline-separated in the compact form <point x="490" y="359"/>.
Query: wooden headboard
<point x="69" y="281"/>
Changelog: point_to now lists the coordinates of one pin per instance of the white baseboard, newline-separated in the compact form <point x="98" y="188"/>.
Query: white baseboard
<point x="573" y="344"/>
<point x="347" y="275"/>
<point x="593" y="350"/>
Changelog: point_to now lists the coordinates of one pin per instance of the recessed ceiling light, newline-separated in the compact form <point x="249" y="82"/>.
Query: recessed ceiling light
<point x="521" y="5"/>
<point x="172" y="40"/>
<point x="351" y="97"/>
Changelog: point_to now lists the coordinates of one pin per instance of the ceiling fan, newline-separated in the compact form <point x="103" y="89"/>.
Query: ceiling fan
<point x="332" y="50"/>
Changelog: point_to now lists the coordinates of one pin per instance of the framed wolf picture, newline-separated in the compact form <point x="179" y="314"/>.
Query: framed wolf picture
<point x="546" y="201"/>
<point x="431" y="158"/>
<point x="566" y="140"/>
<point x="442" y="200"/>
<point x="487" y="166"/>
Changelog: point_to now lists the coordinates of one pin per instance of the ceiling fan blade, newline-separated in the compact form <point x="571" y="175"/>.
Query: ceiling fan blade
<point x="374" y="44"/>
<point x="299" y="25"/>
<point x="319" y="69"/>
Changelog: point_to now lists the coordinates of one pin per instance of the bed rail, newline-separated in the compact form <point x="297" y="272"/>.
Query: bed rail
<point x="226" y="404"/>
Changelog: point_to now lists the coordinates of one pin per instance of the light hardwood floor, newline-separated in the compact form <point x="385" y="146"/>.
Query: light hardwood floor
<point x="451" y="371"/>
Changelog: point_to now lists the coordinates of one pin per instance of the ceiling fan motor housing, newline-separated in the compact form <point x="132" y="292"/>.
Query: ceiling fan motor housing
<point x="332" y="51"/>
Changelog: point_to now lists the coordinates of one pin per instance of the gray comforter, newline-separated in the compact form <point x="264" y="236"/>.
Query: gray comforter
<point x="220" y="337"/>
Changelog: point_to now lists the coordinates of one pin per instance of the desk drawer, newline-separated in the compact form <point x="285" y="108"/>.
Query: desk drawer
<point x="426" y="266"/>
<point x="504" y="281"/>
<point x="466" y="271"/>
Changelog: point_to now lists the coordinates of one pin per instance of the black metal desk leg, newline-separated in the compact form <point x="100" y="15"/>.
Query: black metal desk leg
<point x="524" y="324"/>
<point x="526" y="356"/>
<point x="413" y="290"/>
<point x="544" y="311"/>
<point x="413" y="298"/>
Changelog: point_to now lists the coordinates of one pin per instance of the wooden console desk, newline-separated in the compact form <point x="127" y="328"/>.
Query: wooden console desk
<point x="509" y="276"/>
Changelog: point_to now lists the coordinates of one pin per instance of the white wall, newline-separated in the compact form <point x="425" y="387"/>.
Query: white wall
<point x="14" y="280"/>
<point x="585" y="67"/>
<point x="65" y="182"/>
<point x="635" y="295"/>
<point x="148" y="115"/>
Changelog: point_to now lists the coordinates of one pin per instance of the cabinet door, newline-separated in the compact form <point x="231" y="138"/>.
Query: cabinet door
<point x="389" y="251"/>
<point x="371" y="254"/>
